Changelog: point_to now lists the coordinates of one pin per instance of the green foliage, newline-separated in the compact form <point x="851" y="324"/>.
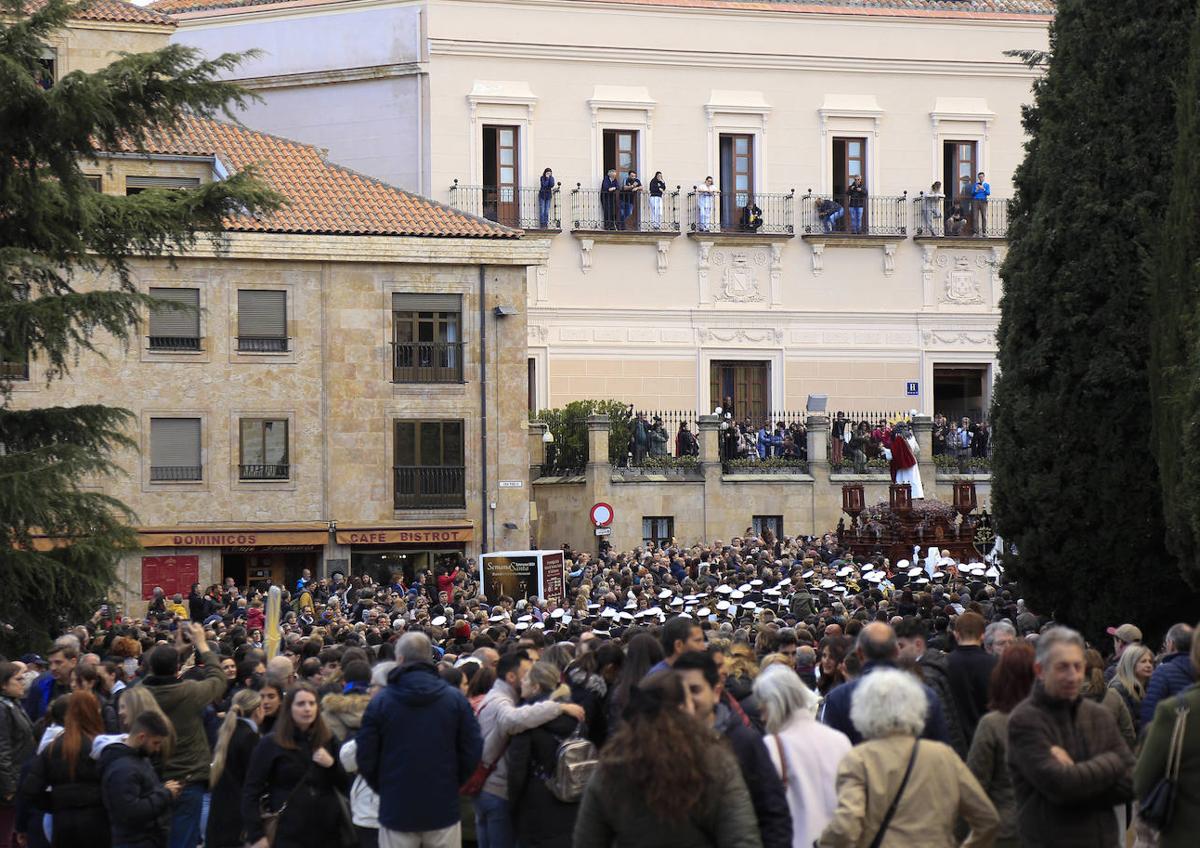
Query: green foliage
<point x="776" y="463"/>
<point x="65" y="283"/>
<point x="975" y="465"/>
<point x="671" y="462"/>
<point x="1074" y="486"/>
<point x="1174" y="284"/>
<point x="568" y="425"/>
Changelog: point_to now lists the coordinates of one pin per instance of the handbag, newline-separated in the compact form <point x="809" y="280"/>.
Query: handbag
<point x="270" y="820"/>
<point x="891" y="811"/>
<point x="1158" y="805"/>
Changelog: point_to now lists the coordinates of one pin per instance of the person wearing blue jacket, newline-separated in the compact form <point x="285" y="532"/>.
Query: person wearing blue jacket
<point x="878" y="648"/>
<point x="1174" y="672"/>
<point x="418" y="743"/>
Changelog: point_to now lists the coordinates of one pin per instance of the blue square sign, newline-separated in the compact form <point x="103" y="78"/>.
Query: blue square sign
<point x="913" y="389"/>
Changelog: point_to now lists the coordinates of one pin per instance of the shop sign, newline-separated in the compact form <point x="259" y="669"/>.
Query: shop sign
<point x="411" y="536"/>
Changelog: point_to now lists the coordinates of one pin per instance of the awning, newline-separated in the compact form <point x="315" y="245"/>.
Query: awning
<point x="413" y="535"/>
<point x="235" y="535"/>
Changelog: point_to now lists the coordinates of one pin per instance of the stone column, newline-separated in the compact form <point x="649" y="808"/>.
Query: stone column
<point x="923" y="432"/>
<point x="537" y="448"/>
<point x="826" y="497"/>
<point x="710" y="438"/>
<point x="710" y="465"/>
<point x="598" y="487"/>
<point x="597" y="439"/>
<point x="818" y="439"/>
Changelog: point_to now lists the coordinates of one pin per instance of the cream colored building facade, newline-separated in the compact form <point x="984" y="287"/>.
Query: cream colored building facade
<point x="327" y="440"/>
<point x="778" y="101"/>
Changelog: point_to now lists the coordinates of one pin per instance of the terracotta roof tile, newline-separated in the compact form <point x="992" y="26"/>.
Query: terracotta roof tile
<point x="967" y="8"/>
<point x="321" y="197"/>
<point x="114" y="11"/>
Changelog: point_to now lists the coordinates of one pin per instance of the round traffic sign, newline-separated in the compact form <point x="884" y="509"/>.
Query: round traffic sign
<point x="602" y="514"/>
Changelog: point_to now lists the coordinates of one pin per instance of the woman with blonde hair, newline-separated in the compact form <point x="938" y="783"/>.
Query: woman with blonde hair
<point x="896" y="789"/>
<point x="805" y="752"/>
<point x="136" y="700"/>
<point x="231" y="759"/>
<point x="1133" y="673"/>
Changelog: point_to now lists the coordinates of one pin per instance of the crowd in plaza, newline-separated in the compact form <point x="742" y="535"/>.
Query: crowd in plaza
<point x="759" y="692"/>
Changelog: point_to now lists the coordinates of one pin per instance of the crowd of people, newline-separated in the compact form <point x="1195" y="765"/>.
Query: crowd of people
<point x="757" y="692"/>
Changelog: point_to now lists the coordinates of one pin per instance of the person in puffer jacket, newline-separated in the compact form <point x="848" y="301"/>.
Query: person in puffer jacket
<point x="1173" y="674"/>
<point x="364" y="801"/>
<point x="138" y="803"/>
<point x="343" y="711"/>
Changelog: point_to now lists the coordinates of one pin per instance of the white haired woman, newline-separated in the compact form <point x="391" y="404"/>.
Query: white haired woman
<point x="805" y="752"/>
<point x="896" y="789"/>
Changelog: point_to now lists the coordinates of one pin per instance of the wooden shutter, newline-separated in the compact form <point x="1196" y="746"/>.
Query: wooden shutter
<point x="262" y="313"/>
<point x="405" y="302"/>
<point x="176" y="323"/>
<point x="161" y="182"/>
<point x="175" y="442"/>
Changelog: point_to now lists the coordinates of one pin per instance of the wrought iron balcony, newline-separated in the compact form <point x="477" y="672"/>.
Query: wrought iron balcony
<point x="960" y="217"/>
<point x="278" y="471"/>
<point x="172" y="343"/>
<point x="430" y="487"/>
<point x="175" y="473"/>
<point x="427" y="362"/>
<point x="838" y="215"/>
<point x="10" y="370"/>
<point x="741" y="212"/>
<point x="524" y="208"/>
<point x="262" y="344"/>
<point x="624" y="211"/>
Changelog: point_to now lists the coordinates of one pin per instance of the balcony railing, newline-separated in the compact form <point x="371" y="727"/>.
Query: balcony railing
<point x="879" y="215"/>
<point x="525" y="208"/>
<point x="175" y="473"/>
<point x="174" y="342"/>
<point x="624" y="211"/>
<point x="741" y="212"/>
<point x="427" y="362"/>
<point x="430" y="487"/>
<point x="264" y="472"/>
<point x="262" y="344"/>
<point x="960" y="217"/>
<point x="14" y="370"/>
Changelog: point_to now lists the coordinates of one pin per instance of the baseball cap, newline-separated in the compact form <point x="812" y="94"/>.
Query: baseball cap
<point x="1127" y="633"/>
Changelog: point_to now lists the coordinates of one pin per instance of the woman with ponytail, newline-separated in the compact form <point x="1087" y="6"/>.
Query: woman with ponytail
<point x="665" y="780"/>
<point x="231" y="758"/>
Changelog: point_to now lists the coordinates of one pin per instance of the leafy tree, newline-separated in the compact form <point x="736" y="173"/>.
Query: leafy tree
<point x="1075" y="485"/>
<point x="568" y="425"/>
<point x="66" y="288"/>
<point x="1174" y="284"/>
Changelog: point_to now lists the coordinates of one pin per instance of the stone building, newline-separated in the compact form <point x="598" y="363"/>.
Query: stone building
<point x="683" y="302"/>
<point x="346" y="388"/>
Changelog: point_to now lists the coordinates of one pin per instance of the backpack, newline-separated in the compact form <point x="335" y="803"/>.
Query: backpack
<point x="574" y="764"/>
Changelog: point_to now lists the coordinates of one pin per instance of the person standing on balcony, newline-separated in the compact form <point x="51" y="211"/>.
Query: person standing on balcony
<point x="931" y="208"/>
<point x="609" y="189"/>
<point x="966" y="192"/>
<point x="979" y="197"/>
<point x="657" y="186"/>
<point x="685" y="441"/>
<point x="545" y="198"/>
<point x="629" y="198"/>
<point x="704" y="204"/>
<point x="857" y="198"/>
<point x="837" y="433"/>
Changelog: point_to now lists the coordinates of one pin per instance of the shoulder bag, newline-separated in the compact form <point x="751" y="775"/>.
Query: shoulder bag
<point x="483" y="771"/>
<point x="270" y="820"/>
<point x="1158" y="806"/>
<point x="891" y="811"/>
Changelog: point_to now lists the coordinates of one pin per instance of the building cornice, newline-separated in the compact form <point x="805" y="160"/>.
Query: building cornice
<point x="287" y="247"/>
<point x="716" y="59"/>
<point x="292" y="8"/>
<point x="122" y="26"/>
<point x="333" y="77"/>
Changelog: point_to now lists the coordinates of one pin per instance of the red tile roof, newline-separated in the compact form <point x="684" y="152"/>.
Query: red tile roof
<point x="113" y="11"/>
<point x="965" y="8"/>
<point x="321" y="197"/>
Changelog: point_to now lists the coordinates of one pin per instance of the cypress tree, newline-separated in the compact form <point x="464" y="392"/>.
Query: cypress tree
<point x="1174" y="284"/>
<point x="66" y="288"/>
<point x="1075" y="485"/>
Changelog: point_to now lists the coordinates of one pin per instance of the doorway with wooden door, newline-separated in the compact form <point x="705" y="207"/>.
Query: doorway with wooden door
<point x="621" y="155"/>
<point x="737" y="177"/>
<point x="741" y="387"/>
<point x="850" y="161"/>
<point x="959" y="159"/>
<point x="501" y="181"/>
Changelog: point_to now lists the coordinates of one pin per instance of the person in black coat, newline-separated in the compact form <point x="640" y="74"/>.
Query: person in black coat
<point x="610" y="188"/>
<point x="235" y="746"/>
<point x="542" y="821"/>
<point x="296" y="772"/>
<point x="64" y="780"/>
<point x="138" y="803"/>
<point x="702" y="680"/>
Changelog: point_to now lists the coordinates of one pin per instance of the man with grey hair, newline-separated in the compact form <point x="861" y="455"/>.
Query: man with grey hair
<point x="998" y="637"/>
<point x="1068" y="762"/>
<point x="1174" y="672"/>
<point x="878" y="648"/>
<point x="419" y="742"/>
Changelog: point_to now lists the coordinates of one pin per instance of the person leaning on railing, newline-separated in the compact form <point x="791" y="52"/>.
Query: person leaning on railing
<point x="545" y="196"/>
<point x="657" y="186"/>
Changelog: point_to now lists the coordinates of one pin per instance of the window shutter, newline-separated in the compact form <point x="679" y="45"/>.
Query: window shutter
<point x="175" y="442"/>
<point x="262" y="314"/>
<point x="176" y="323"/>
<point x="405" y="302"/>
<point x="161" y="182"/>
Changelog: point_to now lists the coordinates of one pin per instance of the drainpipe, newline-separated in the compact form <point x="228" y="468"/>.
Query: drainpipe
<point x="483" y="414"/>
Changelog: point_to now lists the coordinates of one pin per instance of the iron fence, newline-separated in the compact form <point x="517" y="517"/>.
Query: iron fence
<point x="741" y="212"/>
<point x="175" y="473"/>
<point x="963" y="217"/>
<point x="174" y="342"/>
<point x="875" y="215"/>
<point x="427" y="362"/>
<point x="624" y="211"/>
<point x="429" y="487"/>
<point x="264" y="472"/>
<point x="511" y="206"/>
<point x="262" y="344"/>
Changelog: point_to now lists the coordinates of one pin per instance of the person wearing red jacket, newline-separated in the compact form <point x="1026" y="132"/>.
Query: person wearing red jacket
<point x="445" y="582"/>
